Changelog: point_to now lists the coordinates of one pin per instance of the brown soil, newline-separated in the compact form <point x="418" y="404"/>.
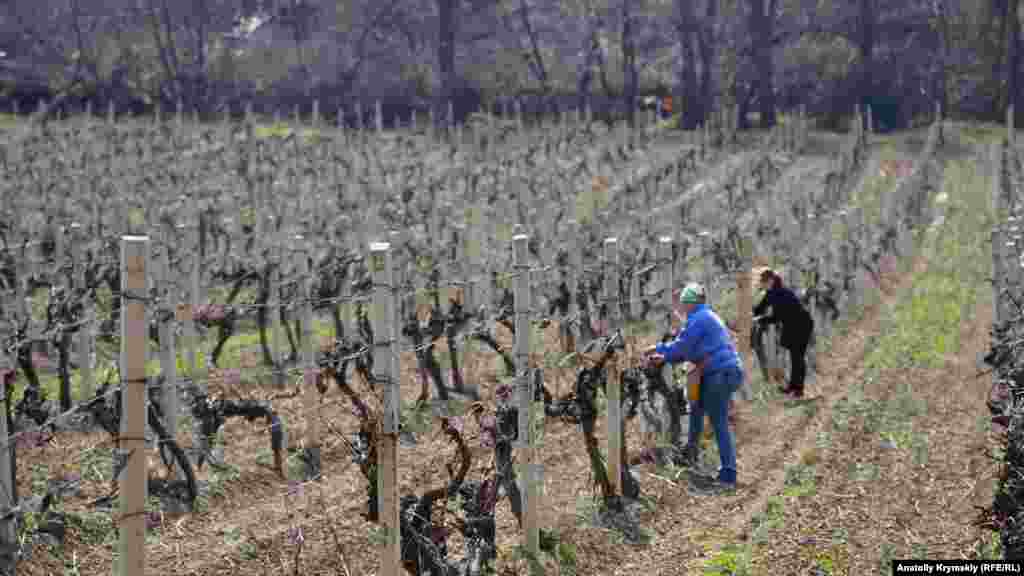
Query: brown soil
<point x="914" y="507"/>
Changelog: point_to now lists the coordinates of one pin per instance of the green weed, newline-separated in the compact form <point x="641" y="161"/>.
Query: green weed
<point x="284" y="130"/>
<point x="233" y="537"/>
<point x="989" y="547"/>
<point x="220" y="476"/>
<point x="799" y="481"/>
<point x="888" y="553"/>
<point x="732" y="560"/>
<point x="95" y="528"/>
<point x="864" y="471"/>
<point x="770" y="519"/>
<point x="825" y="564"/>
<point x="823" y="440"/>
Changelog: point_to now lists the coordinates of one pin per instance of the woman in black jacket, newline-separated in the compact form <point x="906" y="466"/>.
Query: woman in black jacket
<point x="797" y="326"/>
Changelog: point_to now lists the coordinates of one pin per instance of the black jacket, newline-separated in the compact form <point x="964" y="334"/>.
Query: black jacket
<point x="797" y="324"/>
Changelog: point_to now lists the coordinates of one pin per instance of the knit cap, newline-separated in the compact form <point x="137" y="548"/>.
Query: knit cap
<point x="693" y="293"/>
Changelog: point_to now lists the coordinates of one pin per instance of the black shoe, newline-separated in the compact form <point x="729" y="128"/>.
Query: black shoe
<point x="795" y="394"/>
<point x="688" y="457"/>
<point x="701" y="485"/>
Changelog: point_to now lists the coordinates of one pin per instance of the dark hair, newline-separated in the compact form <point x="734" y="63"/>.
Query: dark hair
<point x="772" y="277"/>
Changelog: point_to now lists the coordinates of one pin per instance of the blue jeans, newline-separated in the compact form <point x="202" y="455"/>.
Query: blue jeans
<point x="715" y="390"/>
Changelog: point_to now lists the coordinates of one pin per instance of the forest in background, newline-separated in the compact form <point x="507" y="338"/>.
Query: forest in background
<point x="757" y="58"/>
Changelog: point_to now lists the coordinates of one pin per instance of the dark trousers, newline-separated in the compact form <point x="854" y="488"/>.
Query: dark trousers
<point x="798" y="364"/>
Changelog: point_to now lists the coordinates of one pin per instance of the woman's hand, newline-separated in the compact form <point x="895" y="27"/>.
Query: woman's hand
<point x="655" y="359"/>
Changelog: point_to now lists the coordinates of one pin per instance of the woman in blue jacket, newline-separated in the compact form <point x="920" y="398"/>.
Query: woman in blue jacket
<point x="705" y="338"/>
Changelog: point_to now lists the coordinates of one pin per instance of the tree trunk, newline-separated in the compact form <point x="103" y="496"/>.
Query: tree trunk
<point x="1001" y="10"/>
<point x="943" y="31"/>
<point x="585" y="74"/>
<point x="629" y="73"/>
<point x="445" y="79"/>
<point x="867" y="53"/>
<point x="64" y="359"/>
<point x="1013" y="85"/>
<point x="685" y="92"/>
<point x="762" y="27"/>
<point x="706" y="45"/>
<point x="262" y="317"/>
<point x="538" y="58"/>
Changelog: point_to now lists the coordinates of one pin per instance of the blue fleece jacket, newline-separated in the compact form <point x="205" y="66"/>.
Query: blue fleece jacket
<point x="703" y="336"/>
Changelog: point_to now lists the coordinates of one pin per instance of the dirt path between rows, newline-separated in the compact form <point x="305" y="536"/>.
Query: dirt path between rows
<point x="878" y="496"/>
<point x="686" y="527"/>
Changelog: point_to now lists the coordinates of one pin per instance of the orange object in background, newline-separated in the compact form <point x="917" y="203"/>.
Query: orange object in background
<point x="666" y="105"/>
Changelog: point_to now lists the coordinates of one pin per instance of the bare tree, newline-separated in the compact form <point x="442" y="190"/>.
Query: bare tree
<point x="762" y="25"/>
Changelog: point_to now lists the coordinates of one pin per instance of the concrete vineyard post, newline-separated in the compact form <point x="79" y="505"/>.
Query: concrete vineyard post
<point x="614" y="386"/>
<point x="1012" y="255"/>
<point x="1010" y="128"/>
<point x="745" y="307"/>
<point x="168" y="358"/>
<point x="997" y="234"/>
<point x="198" y="370"/>
<point x="358" y="106"/>
<point x="1011" y="160"/>
<point x="831" y="265"/>
<point x="706" y="259"/>
<point x="817" y="285"/>
<point x="131" y="444"/>
<point x="665" y="318"/>
<point x="86" y="344"/>
<point x="8" y="532"/>
<point x="477" y="134"/>
<point x="998" y="273"/>
<point x="449" y="126"/>
<point x="521" y="310"/>
<point x="386" y="369"/>
<point x="999" y="206"/>
<point x="310" y="394"/>
<point x="473" y="257"/>
<point x="431" y="128"/>
<point x="575" y="271"/>
<point x="22" y="271"/>
<point x="151" y="270"/>
<point x="455" y="272"/>
<point x="857" y="237"/>
<point x="635" y="301"/>
<point x="396" y="239"/>
<point x="667" y="302"/>
<point x="485" y="285"/>
<point x="275" y="310"/>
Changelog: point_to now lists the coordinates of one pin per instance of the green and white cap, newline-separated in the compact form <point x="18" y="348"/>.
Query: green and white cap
<point x="693" y="293"/>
